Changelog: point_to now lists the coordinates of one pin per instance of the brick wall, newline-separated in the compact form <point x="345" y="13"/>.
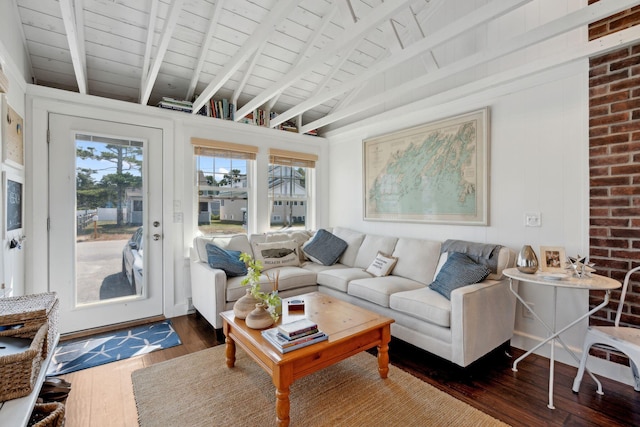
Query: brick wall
<point x="614" y="165"/>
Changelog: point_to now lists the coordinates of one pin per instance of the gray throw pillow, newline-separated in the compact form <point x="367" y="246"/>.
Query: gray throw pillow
<point x="226" y="260"/>
<point x="458" y="271"/>
<point x="325" y="248"/>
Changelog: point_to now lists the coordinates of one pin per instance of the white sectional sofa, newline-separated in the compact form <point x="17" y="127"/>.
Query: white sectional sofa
<point x="475" y="320"/>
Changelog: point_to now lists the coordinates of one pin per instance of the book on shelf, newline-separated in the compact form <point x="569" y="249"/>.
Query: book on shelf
<point x="285" y="345"/>
<point x="297" y="328"/>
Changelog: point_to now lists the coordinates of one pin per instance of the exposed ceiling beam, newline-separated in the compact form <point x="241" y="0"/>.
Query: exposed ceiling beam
<point x="247" y="73"/>
<point x="213" y="23"/>
<point x="503" y="80"/>
<point x="355" y="33"/>
<point x="76" y="44"/>
<point x="169" y="25"/>
<point x="279" y="12"/>
<point x="543" y="32"/>
<point x="151" y="30"/>
<point x="429" y="61"/>
<point x="462" y="25"/>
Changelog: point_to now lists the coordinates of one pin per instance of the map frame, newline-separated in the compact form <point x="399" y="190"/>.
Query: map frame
<point x="468" y="205"/>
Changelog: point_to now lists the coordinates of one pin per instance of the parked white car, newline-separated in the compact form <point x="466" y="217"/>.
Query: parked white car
<point x="132" y="261"/>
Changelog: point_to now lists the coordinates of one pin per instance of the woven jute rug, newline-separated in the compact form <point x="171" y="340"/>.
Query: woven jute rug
<point x="199" y="390"/>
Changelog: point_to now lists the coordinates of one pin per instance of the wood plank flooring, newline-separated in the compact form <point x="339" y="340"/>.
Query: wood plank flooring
<point x="103" y="396"/>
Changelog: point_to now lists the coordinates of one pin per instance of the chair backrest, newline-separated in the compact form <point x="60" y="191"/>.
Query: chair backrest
<point x="623" y="293"/>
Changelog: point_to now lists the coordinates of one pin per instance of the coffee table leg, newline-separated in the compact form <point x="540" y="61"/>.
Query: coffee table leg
<point x="282" y="379"/>
<point x="383" y="352"/>
<point x="230" y="346"/>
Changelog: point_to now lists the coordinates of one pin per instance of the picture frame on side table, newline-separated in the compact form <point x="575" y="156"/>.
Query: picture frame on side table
<point x="434" y="173"/>
<point x="13" y="185"/>
<point x="552" y="258"/>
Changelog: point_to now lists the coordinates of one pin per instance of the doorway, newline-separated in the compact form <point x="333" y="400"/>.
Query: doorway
<point x="105" y="221"/>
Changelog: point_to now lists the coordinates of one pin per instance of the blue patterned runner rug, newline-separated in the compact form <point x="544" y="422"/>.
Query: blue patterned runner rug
<point x="70" y="356"/>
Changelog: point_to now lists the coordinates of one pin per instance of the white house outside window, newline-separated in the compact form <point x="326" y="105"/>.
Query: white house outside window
<point x="222" y="185"/>
<point x="289" y="174"/>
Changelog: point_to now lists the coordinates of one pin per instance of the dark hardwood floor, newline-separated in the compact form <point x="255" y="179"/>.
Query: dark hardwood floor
<point x="103" y="396"/>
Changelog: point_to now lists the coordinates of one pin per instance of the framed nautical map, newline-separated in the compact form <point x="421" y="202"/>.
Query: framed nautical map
<point x="435" y="173"/>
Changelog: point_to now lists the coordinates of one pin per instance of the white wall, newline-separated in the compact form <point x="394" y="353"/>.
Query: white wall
<point x="15" y="67"/>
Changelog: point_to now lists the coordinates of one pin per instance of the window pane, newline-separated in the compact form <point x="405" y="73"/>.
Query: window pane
<point x="222" y="194"/>
<point x="287" y="194"/>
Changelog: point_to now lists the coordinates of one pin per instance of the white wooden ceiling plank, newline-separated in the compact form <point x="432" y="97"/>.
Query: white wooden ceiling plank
<point x="73" y="38"/>
<point x="463" y="24"/>
<point x="309" y="47"/>
<point x="167" y="31"/>
<point x="570" y="54"/>
<point x="206" y="43"/>
<point x="102" y="76"/>
<point x="60" y="66"/>
<point x="128" y="69"/>
<point x="112" y="28"/>
<point x="23" y="39"/>
<point x="98" y="49"/>
<point x="266" y="27"/>
<point x="54" y="41"/>
<point x="35" y="19"/>
<point x="356" y="32"/>
<point x="50" y="8"/>
<point x="125" y="12"/>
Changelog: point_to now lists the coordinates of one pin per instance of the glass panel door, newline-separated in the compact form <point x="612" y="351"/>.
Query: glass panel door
<point x="106" y="246"/>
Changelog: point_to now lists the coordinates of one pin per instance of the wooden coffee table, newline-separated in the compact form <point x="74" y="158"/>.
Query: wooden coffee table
<point x="351" y="330"/>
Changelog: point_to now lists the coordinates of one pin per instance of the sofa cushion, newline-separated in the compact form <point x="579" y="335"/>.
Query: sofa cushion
<point x="354" y="240"/>
<point x="339" y="278"/>
<point x="417" y="259"/>
<point x="370" y="247"/>
<point x="225" y="260"/>
<point x="238" y="242"/>
<point x="378" y="289"/>
<point x="276" y="254"/>
<point x="458" y="271"/>
<point x="382" y="265"/>
<point x="424" y="304"/>
<point x="325" y="248"/>
<point x="298" y="236"/>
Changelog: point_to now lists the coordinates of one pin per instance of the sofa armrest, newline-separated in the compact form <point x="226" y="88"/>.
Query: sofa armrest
<point x="482" y="318"/>
<point x="208" y="290"/>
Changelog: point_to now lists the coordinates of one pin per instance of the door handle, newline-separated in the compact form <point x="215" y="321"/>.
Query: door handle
<point x="156" y="237"/>
<point x="156" y="224"/>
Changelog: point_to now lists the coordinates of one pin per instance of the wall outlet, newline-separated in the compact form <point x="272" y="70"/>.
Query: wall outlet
<point x="532" y="219"/>
<point x="526" y="313"/>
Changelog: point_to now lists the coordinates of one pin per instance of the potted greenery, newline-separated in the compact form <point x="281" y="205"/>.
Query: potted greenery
<point x="271" y="299"/>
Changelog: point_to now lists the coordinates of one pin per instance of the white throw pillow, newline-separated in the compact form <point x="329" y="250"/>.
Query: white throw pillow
<point x="382" y="265"/>
<point x="276" y="254"/>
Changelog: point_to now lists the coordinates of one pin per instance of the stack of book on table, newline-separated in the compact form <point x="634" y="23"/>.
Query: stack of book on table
<point x="290" y="336"/>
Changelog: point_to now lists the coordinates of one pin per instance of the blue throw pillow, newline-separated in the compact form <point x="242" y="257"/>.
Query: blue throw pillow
<point x="458" y="271"/>
<point x="325" y="248"/>
<point x="228" y="261"/>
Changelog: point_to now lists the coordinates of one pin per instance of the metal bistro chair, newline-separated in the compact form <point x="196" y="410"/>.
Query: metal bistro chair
<point x="622" y="338"/>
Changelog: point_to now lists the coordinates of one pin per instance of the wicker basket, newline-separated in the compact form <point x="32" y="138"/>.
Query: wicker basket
<point x="19" y="372"/>
<point x="29" y="310"/>
<point x="47" y="415"/>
